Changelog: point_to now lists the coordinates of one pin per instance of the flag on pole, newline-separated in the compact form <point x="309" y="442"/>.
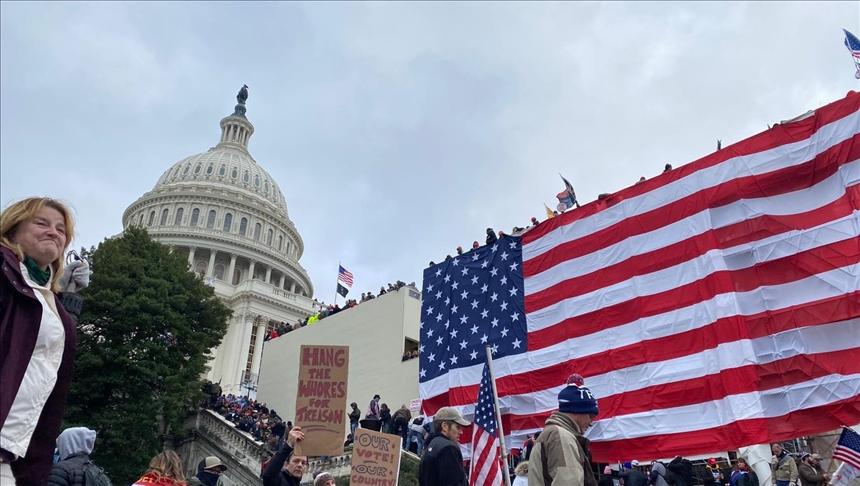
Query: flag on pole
<point x="709" y="308"/>
<point x="853" y="45"/>
<point x="342" y="290"/>
<point x="485" y="468"/>
<point x="567" y="197"/>
<point x="848" y="448"/>
<point x="344" y="276"/>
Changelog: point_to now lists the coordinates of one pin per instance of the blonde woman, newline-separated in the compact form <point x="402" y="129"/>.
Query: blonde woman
<point x="521" y="474"/>
<point x="165" y="469"/>
<point x="37" y="337"/>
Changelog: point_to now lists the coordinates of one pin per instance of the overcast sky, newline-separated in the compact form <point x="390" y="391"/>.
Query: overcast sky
<point x="398" y="131"/>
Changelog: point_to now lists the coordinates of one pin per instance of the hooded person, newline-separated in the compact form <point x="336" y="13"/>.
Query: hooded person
<point x="658" y="474"/>
<point x="74" y="445"/>
<point x="324" y="479"/>
<point x="208" y="472"/>
<point x="561" y="454"/>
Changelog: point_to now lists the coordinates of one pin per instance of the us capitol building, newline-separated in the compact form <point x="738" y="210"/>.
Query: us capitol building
<point x="230" y="217"/>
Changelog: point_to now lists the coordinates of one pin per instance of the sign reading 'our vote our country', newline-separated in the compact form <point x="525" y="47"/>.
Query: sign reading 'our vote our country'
<point x="375" y="458"/>
<point x="321" y="399"/>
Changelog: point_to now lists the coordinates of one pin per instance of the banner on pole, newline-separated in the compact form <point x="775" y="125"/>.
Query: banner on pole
<point x="321" y="399"/>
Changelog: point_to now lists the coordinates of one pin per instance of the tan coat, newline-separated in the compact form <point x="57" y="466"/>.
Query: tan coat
<point x="560" y="455"/>
<point x="784" y="471"/>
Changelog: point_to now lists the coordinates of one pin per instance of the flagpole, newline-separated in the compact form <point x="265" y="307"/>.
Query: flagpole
<point x="337" y="281"/>
<point x="502" y="448"/>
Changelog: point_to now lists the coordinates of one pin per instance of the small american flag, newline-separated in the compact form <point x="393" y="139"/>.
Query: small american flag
<point x="848" y="448"/>
<point x="853" y="45"/>
<point x="485" y="469"/>
<point x="344" y="276"/>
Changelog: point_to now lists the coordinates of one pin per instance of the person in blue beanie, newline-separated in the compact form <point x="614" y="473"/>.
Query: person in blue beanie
<point x="561" y="454"/>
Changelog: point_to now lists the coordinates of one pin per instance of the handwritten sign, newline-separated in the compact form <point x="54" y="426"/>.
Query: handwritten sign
<point x="415" y="406"/>
<point x="321" y="399"/>
<point x="375" y="458"/>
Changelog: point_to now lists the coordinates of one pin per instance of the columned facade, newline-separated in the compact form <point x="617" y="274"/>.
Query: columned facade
<point x="227" y="214"/>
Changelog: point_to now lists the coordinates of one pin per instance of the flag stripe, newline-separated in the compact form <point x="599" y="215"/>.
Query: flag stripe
<point x="701" y="211"/>
<point x="716" y="226"/>
<point x="514" y="394"/>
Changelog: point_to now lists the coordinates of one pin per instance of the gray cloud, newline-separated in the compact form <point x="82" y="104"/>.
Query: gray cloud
<point x="399" y="131"/>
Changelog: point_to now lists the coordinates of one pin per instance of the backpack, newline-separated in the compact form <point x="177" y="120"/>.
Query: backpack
<point x="94" y="475"/>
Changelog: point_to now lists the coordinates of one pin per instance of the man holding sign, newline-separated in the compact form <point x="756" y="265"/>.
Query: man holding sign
<point x="290" y="474"/>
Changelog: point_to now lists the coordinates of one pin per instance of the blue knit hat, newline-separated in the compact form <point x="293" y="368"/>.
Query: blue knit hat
<point x="576" y="398"/>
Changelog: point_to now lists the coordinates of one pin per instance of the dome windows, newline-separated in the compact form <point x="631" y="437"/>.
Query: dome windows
<point x="228" y="222"/>
<point x="151" y="218"/>
<point x="187" y="168"/>
<point x="178" y="219"/>
<point x="197" y="169"/>
<point x="235" y="173"/>
<point x="280" y="242"/>
<point x="257" y="230"/>
<point x="266" y="187"/>
<point x="210" y="220"/>
<point x="210" y="169"/>
<point x="243" y="226"/>
<point x="222" y="171"/>
<point x="269" y="237"/>
<point x="195" y="217"/>
<point x="257" y="180"/>
<point x="163" y="221"/>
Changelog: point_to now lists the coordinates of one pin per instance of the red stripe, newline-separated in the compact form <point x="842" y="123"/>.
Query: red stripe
<point x="491" y="447"/>
<point x="719" y="238"/>
<point x="731" y="436"/>
<point x="846" y="454"/>
<point x="722" y="331"/>
<point x="780" y="271"/>
<point x="776" y="136"/>
<point x="782" y="181"/>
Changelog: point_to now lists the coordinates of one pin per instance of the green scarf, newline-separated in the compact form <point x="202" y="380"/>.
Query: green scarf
<point x="37" y="274"/>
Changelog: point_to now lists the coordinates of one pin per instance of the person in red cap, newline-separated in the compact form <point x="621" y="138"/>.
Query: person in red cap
<point x="561" y="455"/>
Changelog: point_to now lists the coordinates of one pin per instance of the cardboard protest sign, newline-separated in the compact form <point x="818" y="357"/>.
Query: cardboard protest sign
<point x="321" y="399"/>
<point x="415" y="406"/>
<point x="375" y="458"/>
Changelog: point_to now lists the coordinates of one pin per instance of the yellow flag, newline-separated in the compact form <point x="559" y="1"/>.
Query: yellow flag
<point x="549" y="213"/>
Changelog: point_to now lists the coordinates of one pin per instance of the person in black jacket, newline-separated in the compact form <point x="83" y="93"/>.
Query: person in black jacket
<point x="442" y="463"/>
<point x="279" y="474"/>
<point x="75" y="445"/>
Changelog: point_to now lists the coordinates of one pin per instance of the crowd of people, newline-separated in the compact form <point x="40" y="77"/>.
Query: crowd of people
<point x="253" y="417"/>
<point x="325" y="310"/>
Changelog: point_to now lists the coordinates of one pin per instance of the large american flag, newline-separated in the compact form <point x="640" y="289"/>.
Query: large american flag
<point x="485" y="465"/>
<point x="344" y="276"/>
<point x="711" y="307"/>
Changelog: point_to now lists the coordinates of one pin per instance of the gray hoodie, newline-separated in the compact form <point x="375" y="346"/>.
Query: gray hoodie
<point x="76" y="440"/>
<point x="658" y="474"/>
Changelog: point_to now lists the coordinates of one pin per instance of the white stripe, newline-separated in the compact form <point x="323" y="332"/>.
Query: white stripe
<point x="787" y="155"/>
<point x="730" y="259"/>
<point x="797" y="202"/>
<point x="485" y="441"/>
<point x="827" y="338"/>
<point x="775" y="402"/>
<point x="775" y="297"/>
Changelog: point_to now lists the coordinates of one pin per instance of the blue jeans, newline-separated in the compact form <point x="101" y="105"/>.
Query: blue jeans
<point x="352" y="427"/>
<point x="782" y="482"/>
<point x="419" y="438"/>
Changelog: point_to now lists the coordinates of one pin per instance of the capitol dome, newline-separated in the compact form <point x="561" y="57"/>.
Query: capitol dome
<point x="229" y="216"/>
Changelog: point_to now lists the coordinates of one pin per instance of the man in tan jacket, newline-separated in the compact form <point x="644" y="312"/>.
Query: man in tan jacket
<point x="560" y="455"/>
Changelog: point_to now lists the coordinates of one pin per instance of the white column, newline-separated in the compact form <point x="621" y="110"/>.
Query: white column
<point x="258" y="348"/>
<point x="191" y="257"/>
<point x="281" y="283"/>
<point x="268" y="274"/>
<point x="211" y="266"/>
<point x="231" y="269"/>
<point x="293" y="287"/>
<point x="251" y="270"/>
